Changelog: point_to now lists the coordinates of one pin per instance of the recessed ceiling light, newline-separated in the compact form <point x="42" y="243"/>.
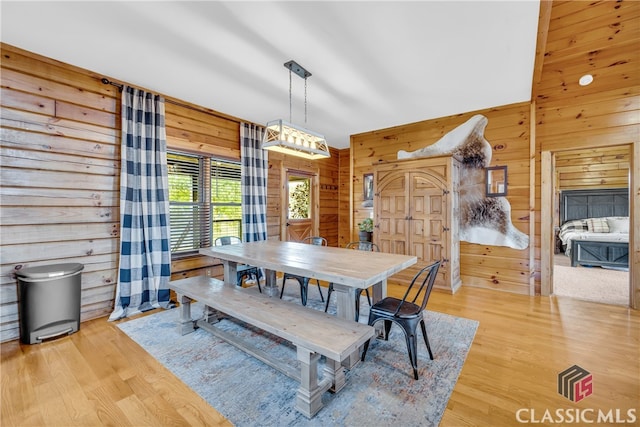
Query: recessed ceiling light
<point x="585" y="80"/>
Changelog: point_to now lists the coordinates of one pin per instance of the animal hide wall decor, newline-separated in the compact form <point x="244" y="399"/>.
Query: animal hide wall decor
<point x="483" y="220"/>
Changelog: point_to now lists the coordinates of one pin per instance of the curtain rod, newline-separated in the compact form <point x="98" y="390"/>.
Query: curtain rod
<point x="106" y="81"/>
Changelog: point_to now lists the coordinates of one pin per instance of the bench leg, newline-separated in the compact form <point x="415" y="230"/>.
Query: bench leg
<point x="335" y="372"/>
<point x="309" y="396"/>
<point x="186" y="323"/>
<point x="210" y="315"/>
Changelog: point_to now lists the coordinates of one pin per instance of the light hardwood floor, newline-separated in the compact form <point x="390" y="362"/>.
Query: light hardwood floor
<point x="98" y="376"/>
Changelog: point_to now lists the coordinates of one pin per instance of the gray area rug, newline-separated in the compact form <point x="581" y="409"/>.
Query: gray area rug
<point x="379" y="392"/>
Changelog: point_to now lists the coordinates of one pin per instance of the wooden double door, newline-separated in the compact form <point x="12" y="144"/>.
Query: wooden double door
<point x="416" y="214"/>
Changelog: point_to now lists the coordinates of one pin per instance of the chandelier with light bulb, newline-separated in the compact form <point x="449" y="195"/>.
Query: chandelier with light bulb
<point x="287" y="138"/>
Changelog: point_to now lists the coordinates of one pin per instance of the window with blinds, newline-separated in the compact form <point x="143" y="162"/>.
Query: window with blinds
<point x="226" y="199"/>
<point x="204" y="200"/>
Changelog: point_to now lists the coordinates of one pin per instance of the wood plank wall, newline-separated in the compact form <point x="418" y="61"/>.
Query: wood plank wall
<point x="598" y="167"/>
<point x="344" y="196"/>
<point x="603" y="39"/>
<point x="485" y="266"/>
<point x="329" y="197"/>
<point x="60" y="178"/>
<point x="60" y="171"/>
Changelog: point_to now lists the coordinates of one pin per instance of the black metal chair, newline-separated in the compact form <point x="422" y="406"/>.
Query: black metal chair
<point x="407" y="313"/>
<point x="243" y="271"/>
<point x="360" y="246"/>
<point x="304" y="281"/>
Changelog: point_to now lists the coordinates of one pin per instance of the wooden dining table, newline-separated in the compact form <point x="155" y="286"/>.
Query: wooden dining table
<point x="349" y="270"/>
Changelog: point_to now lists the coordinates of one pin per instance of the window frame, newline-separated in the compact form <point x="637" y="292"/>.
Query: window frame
<point x="204" y="206"/>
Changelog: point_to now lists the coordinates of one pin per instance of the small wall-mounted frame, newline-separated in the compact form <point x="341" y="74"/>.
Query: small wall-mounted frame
<point x="367" y="186"/>
<point x="496" y="181"/>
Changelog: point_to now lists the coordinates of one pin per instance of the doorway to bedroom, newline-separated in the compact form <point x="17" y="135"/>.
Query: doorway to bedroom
<point x="592" y="204"/>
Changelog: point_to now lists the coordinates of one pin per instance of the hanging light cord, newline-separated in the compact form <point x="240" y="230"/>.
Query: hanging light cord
<point x="302" y="73"/>
<point x="290" y="121"/>
<point x="305" y="100"/>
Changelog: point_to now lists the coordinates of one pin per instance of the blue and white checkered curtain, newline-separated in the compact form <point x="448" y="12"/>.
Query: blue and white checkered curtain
<point x="145" y="257"/>
<point x="255" y="167"/>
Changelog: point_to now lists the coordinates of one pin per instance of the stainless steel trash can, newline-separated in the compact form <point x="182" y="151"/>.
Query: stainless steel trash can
<point x="49" y="301"/>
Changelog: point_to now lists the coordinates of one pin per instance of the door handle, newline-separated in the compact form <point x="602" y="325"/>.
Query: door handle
<point x="288" y="224"/>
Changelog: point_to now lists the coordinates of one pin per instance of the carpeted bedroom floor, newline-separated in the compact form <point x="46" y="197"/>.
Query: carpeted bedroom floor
<point x="590" y="283"/>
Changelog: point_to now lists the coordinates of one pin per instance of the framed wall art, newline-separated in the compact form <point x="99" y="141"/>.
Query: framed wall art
<point x="367" y="186"/>
<point x="496" y="180"/>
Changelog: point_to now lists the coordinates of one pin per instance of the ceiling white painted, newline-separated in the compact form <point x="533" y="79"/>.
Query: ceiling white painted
<point x="375" y="64"/>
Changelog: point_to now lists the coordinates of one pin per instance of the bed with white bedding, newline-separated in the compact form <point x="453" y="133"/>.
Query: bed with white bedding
<point x="596" y="248"/>
<point x="602" y="238"/>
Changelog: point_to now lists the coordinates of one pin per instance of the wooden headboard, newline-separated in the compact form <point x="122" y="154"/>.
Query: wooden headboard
<point x="597" y="203"/>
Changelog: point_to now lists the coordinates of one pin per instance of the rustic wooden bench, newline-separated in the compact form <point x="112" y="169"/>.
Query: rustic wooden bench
<point x="313" y="332"/>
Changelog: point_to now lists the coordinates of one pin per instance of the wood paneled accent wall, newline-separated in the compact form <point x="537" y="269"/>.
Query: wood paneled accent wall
<point x="60" y="178"/>
<point x="598" y="167"/>
<point x="60" y="139"/>
<point x="329" y="197"/>
<point x="485" y="266"/>
<point x="602" y="39"/>
<point x="344" y="198"/>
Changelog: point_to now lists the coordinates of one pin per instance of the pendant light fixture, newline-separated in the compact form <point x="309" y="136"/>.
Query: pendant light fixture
<point x="287" y="138"/>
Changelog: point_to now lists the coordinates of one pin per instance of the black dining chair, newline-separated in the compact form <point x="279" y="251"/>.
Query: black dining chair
<point x="360" y="246"/>
<point x="407" y="313"/>
<point x="304" y="281"/>
<point x="243" y="271"/>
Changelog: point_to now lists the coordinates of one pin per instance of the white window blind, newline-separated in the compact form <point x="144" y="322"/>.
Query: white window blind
<point x="226" y="198"/>
<point x="204" y="199"/>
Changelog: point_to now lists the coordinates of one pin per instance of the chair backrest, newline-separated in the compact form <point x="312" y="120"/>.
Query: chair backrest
<point x="227" y="240"/>
<point x="315" y="240"/>
<point x="363" y="246"/>
<point x="425" y="278"/>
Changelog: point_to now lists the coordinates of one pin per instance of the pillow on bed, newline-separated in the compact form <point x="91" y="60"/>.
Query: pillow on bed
<point x="597" y="225"/>
<point x="575" y="224"/>
<point x="618" y="225"/>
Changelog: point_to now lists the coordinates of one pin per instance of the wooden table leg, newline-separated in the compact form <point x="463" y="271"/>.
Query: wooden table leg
<point x="379" y="293"/>
<point x="346" y="309"/>
<point x="271" y="283"/>
<point x="230" y="272"/>
<point x="345" y="301"/>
